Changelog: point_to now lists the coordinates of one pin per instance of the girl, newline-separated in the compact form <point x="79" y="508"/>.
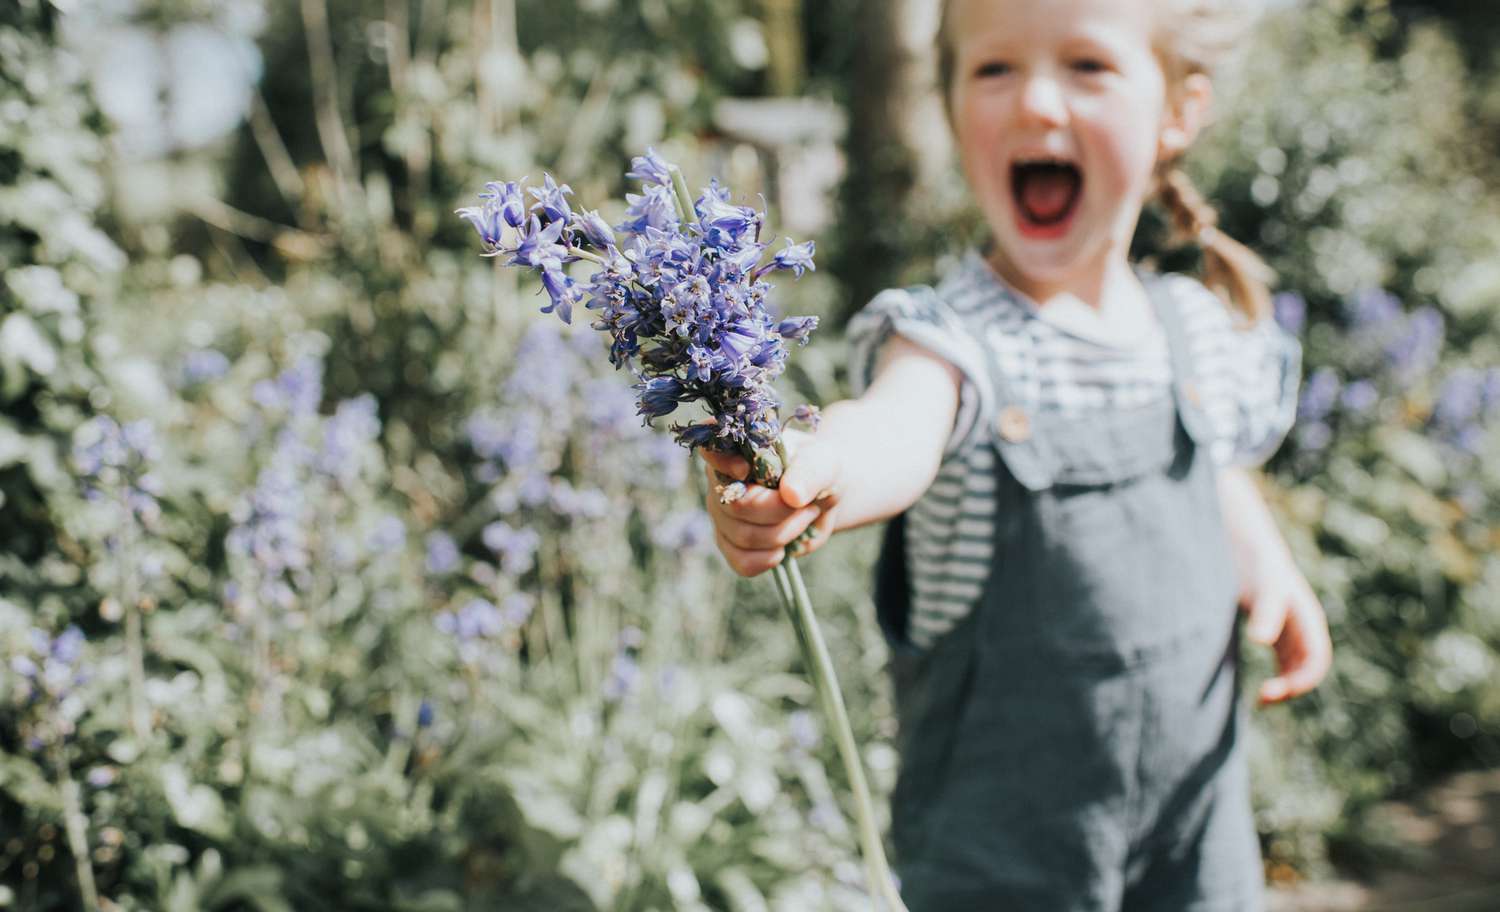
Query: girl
<point x="1055" y="433"/>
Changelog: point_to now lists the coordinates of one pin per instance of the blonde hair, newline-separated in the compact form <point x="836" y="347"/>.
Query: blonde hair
<point x="1193" y="37"/>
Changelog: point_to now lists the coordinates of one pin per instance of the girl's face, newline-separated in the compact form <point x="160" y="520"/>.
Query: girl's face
<point x="1060" y="113"/>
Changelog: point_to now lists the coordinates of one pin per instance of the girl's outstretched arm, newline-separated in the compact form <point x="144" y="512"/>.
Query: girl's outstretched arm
<point x="871" y="458"/>
<point x="1284" y="612"/>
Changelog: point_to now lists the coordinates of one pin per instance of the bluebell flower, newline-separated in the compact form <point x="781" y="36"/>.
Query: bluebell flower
<point x="353" y="425"/>
<point x="655" y="208"/>
<point x="1373" y="308"/>
<point x="684" y="531"/>
<point x="596" y="230"/>
<point x="563" y="291"/>
<point x="507" y="199"/>
<point x="1460" y="400"/>
<point x="624" y="675"/>
<point x="539" y="247"/>
<point x="425" y="714"/>
<point x="551" y="200"/>
<point x="659" y="396"/>
<point x="487" y="221"/>
<point x="650" y="168"/>
<point x="1360" y="396"/>
<point x="1290" y="311"/>
<point x="515" y="547"/>
<point x="1415" y="351"/>
<point x="203" y="366"/>
<point x="1319" y="396"/>
<point x="796" y="257"/>
<point x="388" y="535"/>
<point x="442" y="553"/>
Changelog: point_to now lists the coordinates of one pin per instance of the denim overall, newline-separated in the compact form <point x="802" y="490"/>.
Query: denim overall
<point x="1073" y="744"/>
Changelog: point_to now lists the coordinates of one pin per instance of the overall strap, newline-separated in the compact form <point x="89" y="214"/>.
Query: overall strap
<point x="1185" y="388"/>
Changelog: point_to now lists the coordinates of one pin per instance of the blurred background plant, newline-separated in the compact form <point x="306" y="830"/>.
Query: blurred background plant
<point x="334" y="576"/>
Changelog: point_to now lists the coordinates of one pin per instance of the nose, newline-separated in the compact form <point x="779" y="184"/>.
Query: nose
<point x="1042" y="100"/>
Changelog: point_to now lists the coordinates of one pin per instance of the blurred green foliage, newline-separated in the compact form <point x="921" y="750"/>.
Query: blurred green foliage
<point x="363" y="436"/>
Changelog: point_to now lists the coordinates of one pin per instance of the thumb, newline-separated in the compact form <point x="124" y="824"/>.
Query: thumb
<point x="1267" y="618"/>
<point x="811" y="474"/>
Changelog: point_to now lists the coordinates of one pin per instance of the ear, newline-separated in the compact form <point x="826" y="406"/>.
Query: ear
<point x="1187" y="111"/>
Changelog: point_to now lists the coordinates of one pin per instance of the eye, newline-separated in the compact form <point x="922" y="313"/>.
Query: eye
<point x="992" y="68"/>
<point x="1090" y="66"/>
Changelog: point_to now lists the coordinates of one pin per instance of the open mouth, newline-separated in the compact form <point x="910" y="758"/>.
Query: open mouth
<point x="1046" y="193"/>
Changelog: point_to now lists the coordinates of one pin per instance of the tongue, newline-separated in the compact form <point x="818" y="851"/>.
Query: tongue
<point x="1047" y="193"/>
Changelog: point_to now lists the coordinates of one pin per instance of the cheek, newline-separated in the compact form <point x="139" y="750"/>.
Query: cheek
<point x="1126" y="142"/>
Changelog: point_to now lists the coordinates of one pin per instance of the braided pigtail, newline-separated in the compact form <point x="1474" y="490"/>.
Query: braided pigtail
<point x="1232" y="270"/>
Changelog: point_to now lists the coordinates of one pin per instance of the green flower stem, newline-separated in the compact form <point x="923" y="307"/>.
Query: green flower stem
<point x="684" y="195"/>
<point x="820" y="666"/>
<point x="75" y="825"/>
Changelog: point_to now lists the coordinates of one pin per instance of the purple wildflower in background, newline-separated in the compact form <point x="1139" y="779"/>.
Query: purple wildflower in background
<point x="388" y="535"/>
<point x="115" y="462"/>
<point x="442" y="553"/>
<point x="298" y="390"/>
<point x="425" y="714"/>
<point x="679" y="286"/>
<point x="1460" y="399"/>
<point x="1290" y="311"/>
<point x="1373" y="308"/>
<point x="1319" y="396"/>
<point x="1414" y="351"/>
<point x="1359" y="397"/>
<point x="354" y="424"/>
<point x="684" y="531"/>
<point x="203" y="366"/>
<point x="516" y="548"/>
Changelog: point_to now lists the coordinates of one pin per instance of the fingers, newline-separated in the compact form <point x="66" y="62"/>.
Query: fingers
<point x="727" y="463"/>
<point x="1267" y="617"/>
<point x="747" y="562"/>
<point x="1304" y="651"/>
<point x="752" y="537"/>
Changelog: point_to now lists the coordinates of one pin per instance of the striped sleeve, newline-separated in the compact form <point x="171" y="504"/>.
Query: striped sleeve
<point x="1248" y="376"/>
<point x="921" y="316"/>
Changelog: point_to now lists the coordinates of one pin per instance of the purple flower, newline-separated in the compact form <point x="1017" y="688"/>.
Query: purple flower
<point x="1320" y="395"/>
<point x="442" y="553"/>
<point x="388" y="535"/>
<point x="425" y="714"/>
<point x="624" y="675"/>
<point x="650" y="168"/>
<point x="655" y="208"/>
<point x="1360" y="397"/>
<point x="659" y="396"/>
<point x="1373" y="308"/>
<point x="797" y="328"/>
<point x="596" y="230"/>
<point x="685" y="531"/>
<point x="353" y="425"/>
<point x="1460" y="400"/>
<point x="298" y="390"/>
<point x="1415" y="351"/>
<point x="507" y="198"/>
<point x="515" y="547"/>
<point x="796" y="257"/>
<point x="1290" y="310"/>
<point x="551" y="200"/>
<point x="539" y="247"/>
<point x="203" y="365"/>
<point x="563" y="291"/>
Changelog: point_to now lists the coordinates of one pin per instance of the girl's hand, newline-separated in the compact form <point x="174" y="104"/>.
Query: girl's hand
<point x="753" y="530"/>
<point x="1286" y="615"/>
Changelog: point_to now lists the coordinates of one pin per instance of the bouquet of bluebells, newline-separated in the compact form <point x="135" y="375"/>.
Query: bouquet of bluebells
<point x="680" y="288"/>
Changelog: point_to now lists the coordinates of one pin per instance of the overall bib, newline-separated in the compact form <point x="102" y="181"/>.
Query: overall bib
<point x="1073" y="744"/>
